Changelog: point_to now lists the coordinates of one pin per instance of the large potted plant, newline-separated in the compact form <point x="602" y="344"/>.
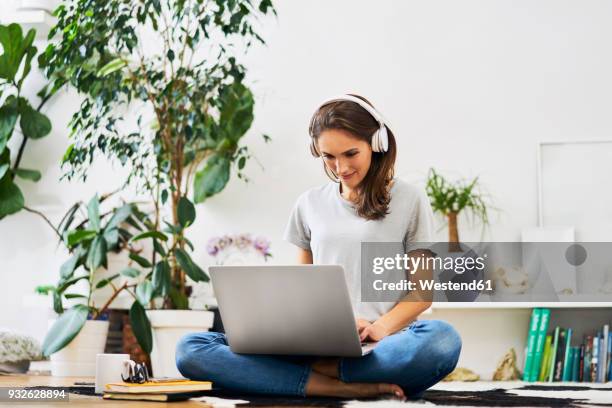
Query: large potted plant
<point x="190" y="110"/>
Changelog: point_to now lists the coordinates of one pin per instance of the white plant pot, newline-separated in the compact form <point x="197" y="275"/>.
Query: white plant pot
<point x="168" y="328"/>
<point x="78" y="358"/>
<point x="48" y="5"/>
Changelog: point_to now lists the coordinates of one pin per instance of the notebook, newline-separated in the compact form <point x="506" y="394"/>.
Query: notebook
<point x="158" y="387"/>
<point x="170" y="397"/>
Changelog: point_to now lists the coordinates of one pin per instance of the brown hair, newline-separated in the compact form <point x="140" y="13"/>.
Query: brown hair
<point x="373" y="196"/>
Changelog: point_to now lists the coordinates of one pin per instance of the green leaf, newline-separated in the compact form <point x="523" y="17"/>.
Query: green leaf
<point x="74" y="296"/>
<point x="161" y="278"/>
<point x="191" y="269"/>
<point x="64" y="284"/>
<point x="179" y="300"/>
<point x="45" y="289"/>
<point x="97" y="254"/>
<point x="8" y="118"/>
<point x="15" y="47"/>
<point x="33" y="124"/>
<point x="33" y="175"/>
<point x="212" y="178"/>
<point x="57" y="303"/>
<point x="130" y="272"/>
<point x="65" y="328"/>
<point x="106" y="281"/>
<point x="159" y="248"/>
<point x="186" y="212"/>
<point x="140" y="260"/>
<point x="236" y="110"/>
<point x="67" y="268"/>
<point x="141" y="327"/>
<point x="3" y="168"/>
<point x="78" y="236"/>
<point x="149" y="234"/>
<point x="119" y="216"/>
<point x="144" y="292"/>
<point x="111" y="236"/>
<point x="112" y="66"/>
<point x="93" y="212"/>
<point x="11" y="198"/>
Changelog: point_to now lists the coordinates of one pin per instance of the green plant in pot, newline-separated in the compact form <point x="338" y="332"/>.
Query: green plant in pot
<point x="452" y="198"/>
<point x="18" y="114"/>
<point x="172" y="65"/>
<point x="92" y="239"/>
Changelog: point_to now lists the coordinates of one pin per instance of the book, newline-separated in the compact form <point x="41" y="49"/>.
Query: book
<point x="604" y="354"/>
<point x="594" y="358"/>
<point x="545" y="359"/>
<point x="534" y="326"/>
<point x="575" y="364"/>
<point x="567" y="364"/>
<point x="588" y="357"/>
<point x="609" y="358"/>
<point x="539" y="344"/>
<point x="581" y="363"/>
<point x="560" y="357"/>
<point x="158" y="387"/>
<point x="169" y="397"/>
<point x="553" y="355"/>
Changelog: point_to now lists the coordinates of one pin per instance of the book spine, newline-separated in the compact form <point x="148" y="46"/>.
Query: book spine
<point x="546" y="359"/>
<point x="539" y="344"/>
<point x="594" y="359"/>
<point x="609" y="358"/>
<point x="588" y="356"/>
<point x="553" y="355"/>
<point x="575" y="363"/>
<point x="604" y="354"/>
<point x="581" y="364"/>
<point x="534" y="325"/>
<point x="567" y="367"/>
<point x="560" y="356"/>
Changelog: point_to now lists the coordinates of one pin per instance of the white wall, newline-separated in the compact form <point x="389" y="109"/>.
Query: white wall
<point x="470" y="88"/>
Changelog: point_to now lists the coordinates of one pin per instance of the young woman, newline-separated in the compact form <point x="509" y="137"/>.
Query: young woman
<point x="363" y="203"/>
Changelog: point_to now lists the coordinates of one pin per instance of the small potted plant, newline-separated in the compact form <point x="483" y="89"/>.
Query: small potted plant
<point x="449" y="199"/>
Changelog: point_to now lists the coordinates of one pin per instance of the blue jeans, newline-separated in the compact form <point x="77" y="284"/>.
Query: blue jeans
<point x="415" y="358"/>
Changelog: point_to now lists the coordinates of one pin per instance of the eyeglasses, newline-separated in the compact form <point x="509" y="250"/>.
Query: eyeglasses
<point x="134" y="372"/>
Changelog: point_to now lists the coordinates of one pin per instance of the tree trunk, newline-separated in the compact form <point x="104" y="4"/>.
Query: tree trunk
<point x="453" y="233"/>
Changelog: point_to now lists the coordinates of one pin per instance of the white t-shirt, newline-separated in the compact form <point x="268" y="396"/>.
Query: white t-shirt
<point x="325" y="223"/>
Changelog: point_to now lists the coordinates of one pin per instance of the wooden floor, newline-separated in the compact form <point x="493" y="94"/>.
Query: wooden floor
<point x="79" y="400"/>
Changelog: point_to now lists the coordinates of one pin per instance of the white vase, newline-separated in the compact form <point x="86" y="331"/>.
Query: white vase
<point x="78" y="358"/>
<point x="168" y="327"/>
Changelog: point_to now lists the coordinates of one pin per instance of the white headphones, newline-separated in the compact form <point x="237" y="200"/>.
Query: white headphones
<point x="380" y="138"/>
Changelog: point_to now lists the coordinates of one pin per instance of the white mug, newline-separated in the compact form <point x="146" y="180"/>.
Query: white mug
<point x="108" y="369"/>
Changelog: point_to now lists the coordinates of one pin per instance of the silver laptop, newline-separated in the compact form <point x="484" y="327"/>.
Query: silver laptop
<point x="291" y="310"/>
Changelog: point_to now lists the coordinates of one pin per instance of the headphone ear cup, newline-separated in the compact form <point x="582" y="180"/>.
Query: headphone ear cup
<point x="375" y="145"/>
<point x="383" y="137"/>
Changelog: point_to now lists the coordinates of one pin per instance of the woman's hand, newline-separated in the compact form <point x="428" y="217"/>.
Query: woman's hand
<point x="362" y="324"/>
<point x="373" y="332"/>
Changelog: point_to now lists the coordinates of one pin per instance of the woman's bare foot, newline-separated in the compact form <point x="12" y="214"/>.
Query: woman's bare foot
<point x="322" y="385"/>
<point x="327" y="366"/>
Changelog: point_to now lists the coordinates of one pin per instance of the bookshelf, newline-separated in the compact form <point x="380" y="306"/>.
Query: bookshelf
<point x="490" y="329"/>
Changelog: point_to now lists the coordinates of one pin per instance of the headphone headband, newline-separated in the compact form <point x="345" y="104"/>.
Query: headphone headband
<point x="380" y="138"/>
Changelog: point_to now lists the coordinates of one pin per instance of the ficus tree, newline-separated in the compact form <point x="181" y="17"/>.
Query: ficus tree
<point x="162" y="93"/>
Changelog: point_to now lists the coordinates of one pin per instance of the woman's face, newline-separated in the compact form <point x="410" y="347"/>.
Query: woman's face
<point x="345" y="155"/>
